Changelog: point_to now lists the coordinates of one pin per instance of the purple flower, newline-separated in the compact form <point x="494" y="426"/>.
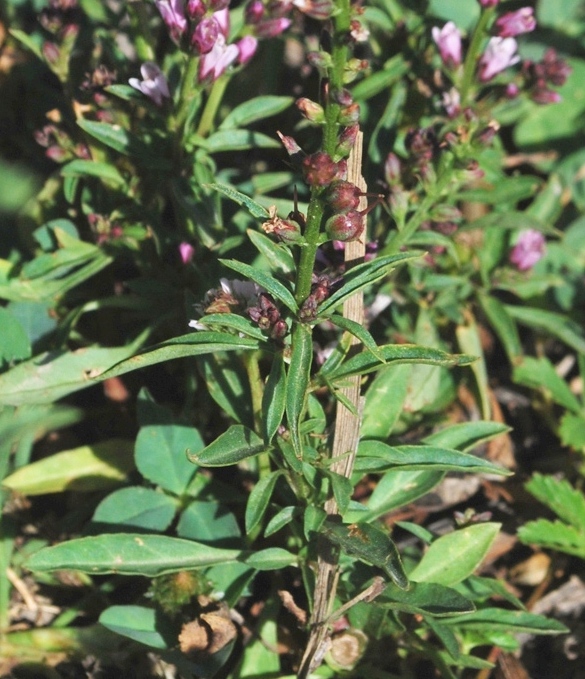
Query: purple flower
<point x="488" y="3"/>
<point x="515" y="23"/>
<point x="215" y="62"/>
<point x="499" y="54"/>
<point x="246" y="48"/>
<point x="154" y="83"/>
<point x="448" y="40"/>
<point x="529" y="249"/>
<point x="186" y="252"/>
<point x="205" y="35"/>
<point x="173" y="14"/>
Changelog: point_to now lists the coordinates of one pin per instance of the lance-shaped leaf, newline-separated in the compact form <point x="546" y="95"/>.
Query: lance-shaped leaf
<point x="357" y="331"/>
<point x="255" y="109"/>
<point x="218" y="322"/>
<point x="425" y="598"/>
<point x="370" y="544"/>
<point x="274" y="398"/>
<point x="558" y="325"/>
<point x="504" y="620"/>
<point x="193" y="344"/>
<point x="275" y="253"/>
<point x="259" y="499"/>
<point x="236" y="444"/>
<point x="297" y="383"/>
<point x="254" y="208"/>
<point x="361" y="276"/>
<point x="375" y="456"/>
<point x="140" y="624"/>
<point x="366" y="362"/>
<point x="92" y="168"/>
<point x="237" y="140"/>
<point x="264" y="280"/>
<point x="466" y="435"/>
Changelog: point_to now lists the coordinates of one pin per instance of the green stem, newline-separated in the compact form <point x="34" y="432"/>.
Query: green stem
<point x="473" y="51"/>
<point x="211" y="106"/>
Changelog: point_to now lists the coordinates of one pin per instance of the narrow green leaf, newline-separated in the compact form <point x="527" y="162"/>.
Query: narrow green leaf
<point x="362" y="275"/>
<point x="375" y="456"/>
<point x="503" y="324"/>
<point x="552" y="323"/>
<point x="92" y="168"/>
<point x="453" y="557"/>
<point x="384" y="402"/>
<point x="358" y="331"/>
<point x="270" y="559"/>
<point x="129" y="554"/>
<point x="507" y="621"/>
<point x="425" y="598"/>
<point x="510" y="191"/>
<point x="138" y="623"/>
<point x="466" y="435"/>
<point x="258" y="500"/>
<point x="255" y="109"/>
<point x="539" y="373"/>
<point x="281" y="519"/>
<point x="297" y="383"/>
<point x="274" y="398"/>
<point x="87" y="468"/>
<point x="193" y="344"/>
<point x="275" y="253"/>
<point x="266" y="281"/>
<point x="254" y="208"/>
<point x="382" y="80"/>
<point x="28" y="41"/>
<point x="219" y="322"/>
<point x="237" y="443"/>
<point x="369" y="544"/>
<point x="469" y="340"/>
<point x="238" y="140"/>
<point x="342" y="490"/>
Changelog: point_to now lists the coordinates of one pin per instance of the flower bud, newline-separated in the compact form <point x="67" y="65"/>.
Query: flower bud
<point x="51" y="52"/>
<point x="291" y="146"/>
<point x="247" y="47"/>
<point x="195" y="9"/>
<point x="342" y="196"/>
<point x="254" y="11"/>
<point x="342" y="97"/>
<point x="349" y="115"/>
<point x="311" y="110"/>
<point x="205" y="35"/>
<point x="347" y="140"/>
<point x="392" y="171"/>
<point x="345" y="227"/>
<point x="512" y="24"/>
<point x="319" y="169"/>
<point x="321" y="61"/>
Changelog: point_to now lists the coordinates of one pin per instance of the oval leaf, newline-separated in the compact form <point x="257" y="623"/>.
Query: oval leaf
<point x="138" y="623"/>
<point x="236" y="444"/>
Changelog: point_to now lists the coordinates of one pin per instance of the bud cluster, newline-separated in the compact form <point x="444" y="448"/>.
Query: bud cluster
<point x="267" y="315"/>
<point x="541" y="75"/>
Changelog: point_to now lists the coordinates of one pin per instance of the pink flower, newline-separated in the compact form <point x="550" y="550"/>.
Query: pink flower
<point x="488" y="3"/>
<point x="499" y="54"/>
<point x="515" y="23"/>
<point x="154" y="83"/>
<point x="205" y="35"/>
<point x="173" y="14"/>
<point x="247" y="47"/>
<point x="186" y="252"/>
<point x="222" y="17"/>
<point x="448" y="40"/>
<point x="270" y="28"/>
<point x="529" y="249"/>
<point x="215" y="62"/>
<point x="452" y="102"/>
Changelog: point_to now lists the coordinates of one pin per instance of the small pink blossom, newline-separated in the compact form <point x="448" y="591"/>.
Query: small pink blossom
<point x="222" y="17"/>
<point x="186" y="252"/>
<point x="448" y="40"/>
<point x="216" y="61"/>
<point x="205" y="35"/>
<point x="452" y="102"/>
<point x="529" y="249"/>
<point x="270" y="28"/>
<point x="515" y="23"/>
<point x="247" y="47"/>
<point x="499" y="54"/>
<point x="153" y="84"/>
<point x="173" y="14"/>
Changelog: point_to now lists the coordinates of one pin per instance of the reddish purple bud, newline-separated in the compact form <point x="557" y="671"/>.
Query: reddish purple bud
<point x="270" y="28"/>
<point x="173" y="14"/>
<point x="205" y="35"/>
<point x="543" y="95"/>
<point x="448" y="40"/>
<point x="247" y="47"/>
<point x="319" y="169"/>
<point x="321" y="61"/>
<point x="347" y="140"/>
<point x="286" y="230"/>
<point x="555" y="70"/>
<point x="349" y="115"/>
<point x="392" y="170"/>
<point x="196" y="9"/>
<point x="342" y="196"/>
<point x="217" y="5"/>
<point x="291" y="146"/>
<point x="529" y="249"/>
<point x="487" y="135"/>
<point x="51" y="52"/>
<point x="254" y="11"/>
<point x="56" y="153"/>
<point x="311" y="110"/>
<point x="186" y="252"/>
<point x="512" y="91"/>
<point x="342" y="97"/>
<point x="515" y="23"/>
<point x="499" y="54"/>
<point x="345" y="227"/>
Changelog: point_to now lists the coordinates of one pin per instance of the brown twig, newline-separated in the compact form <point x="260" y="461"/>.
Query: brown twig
<point x="345" y="440"/>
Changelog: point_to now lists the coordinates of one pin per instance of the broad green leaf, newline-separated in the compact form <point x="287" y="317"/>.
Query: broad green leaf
<point x="119" y="139"/>
<point x="264" y="280"/>
<point x="87" y="468"/>
<point x="209" y="522"/>
<point x="193" y="344"/>
<point x="238" y="140"/>
<point x="259" y="499"/>
<point x="554" y="535"/>
<point x="255" y="209"/>
<point x="466" y="435"/>
<point x="15" y="345"/>
<point x="92" y="168"/>
<point x="571" y="431"/>
<point x="370" y="544"/>
<point x="161" y="455"/>
<point x="297" y="383"/>
<point x="375" y="456"/>
<point x="136" y="508"/>
<point x="274" y="253"/>
<point x="274" y="398"/>
<point x="426" y="598"/>
<point x="539" y="373"/>
<point x="396" y="489"/>
<point x="393" y="354"/>
<point x="260" y="659"/>
<point x="560" y="496"/>
<point x="270" y="559"/>
<point x="384" y="402"/>
<point x="503" y="324"/>
<point x="362" y="275"/>
<point x="234" y="445"/>
<point x="551" y="323"/>
<point x="255" y="109"/>
<point x="129" y="554"/>
<point x="145" y="625"/>
<point x="508" y="621"/>
<point x="52" y="375"/>
<point x="453" y="557"/>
